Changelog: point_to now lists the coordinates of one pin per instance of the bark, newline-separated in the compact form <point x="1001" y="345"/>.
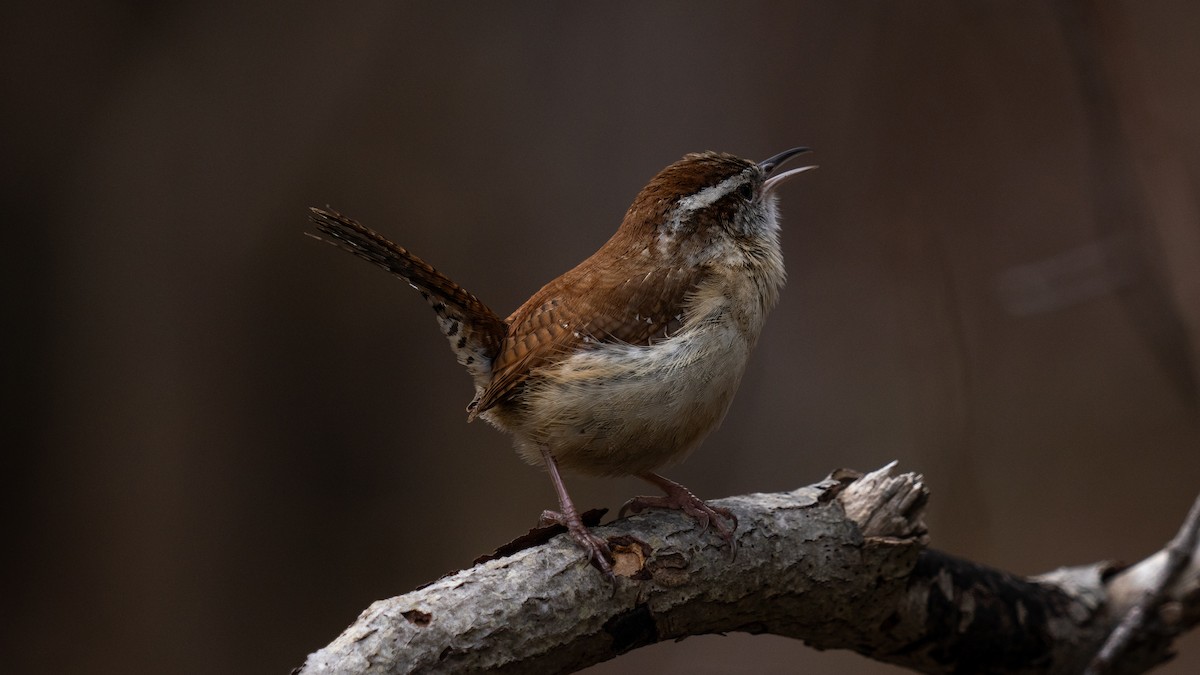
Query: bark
<point x="841" y="565"/>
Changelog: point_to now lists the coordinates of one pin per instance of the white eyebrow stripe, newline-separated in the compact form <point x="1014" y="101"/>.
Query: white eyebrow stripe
<point x="710" y="194"/>
<point x="703" y="199"/>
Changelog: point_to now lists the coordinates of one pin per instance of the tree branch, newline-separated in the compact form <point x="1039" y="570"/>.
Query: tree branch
<point x="1154" y="584"/>
<point x="841" y="565"/>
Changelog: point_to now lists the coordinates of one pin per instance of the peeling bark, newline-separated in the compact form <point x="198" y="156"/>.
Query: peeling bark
<point x="841" y="565"/>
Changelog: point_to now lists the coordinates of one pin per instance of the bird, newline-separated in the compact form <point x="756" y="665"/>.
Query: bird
<point x="623" y="364"/>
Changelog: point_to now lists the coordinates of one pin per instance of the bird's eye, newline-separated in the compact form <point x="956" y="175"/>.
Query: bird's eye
<point x="745" y="191"/>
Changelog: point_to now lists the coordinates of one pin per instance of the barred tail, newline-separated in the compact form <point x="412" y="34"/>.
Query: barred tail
<point x="474" y="330"/>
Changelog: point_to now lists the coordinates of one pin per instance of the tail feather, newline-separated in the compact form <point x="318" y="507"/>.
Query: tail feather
<point x="474" y="330"/>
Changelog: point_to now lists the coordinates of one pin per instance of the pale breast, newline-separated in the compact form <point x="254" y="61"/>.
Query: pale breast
<point x="621" y="409"/>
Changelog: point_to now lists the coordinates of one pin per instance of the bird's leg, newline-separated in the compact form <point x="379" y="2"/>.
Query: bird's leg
<point x="596" y="548"/>
<point x="680" y="498"/>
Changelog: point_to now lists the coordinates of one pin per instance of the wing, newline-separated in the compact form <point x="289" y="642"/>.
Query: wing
<point x="587" y="306"/>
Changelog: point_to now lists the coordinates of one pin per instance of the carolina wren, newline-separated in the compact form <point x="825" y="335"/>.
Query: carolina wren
<point x="626" y="362"/>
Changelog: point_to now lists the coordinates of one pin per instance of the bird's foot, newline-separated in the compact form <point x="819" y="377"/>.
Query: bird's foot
<point x="681" y="499"/>
<point x="596" y="548"/>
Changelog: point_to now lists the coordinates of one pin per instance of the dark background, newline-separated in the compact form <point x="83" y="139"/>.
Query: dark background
<point x="227" y="439"/>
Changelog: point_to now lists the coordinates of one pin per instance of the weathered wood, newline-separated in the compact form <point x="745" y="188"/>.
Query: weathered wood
<point x="841" y="565"/>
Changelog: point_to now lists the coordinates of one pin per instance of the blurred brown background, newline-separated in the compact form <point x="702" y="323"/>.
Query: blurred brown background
<point x="227" y="439"/>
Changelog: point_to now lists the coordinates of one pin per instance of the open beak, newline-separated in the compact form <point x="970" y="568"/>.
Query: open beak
<point x="770" y="164"/>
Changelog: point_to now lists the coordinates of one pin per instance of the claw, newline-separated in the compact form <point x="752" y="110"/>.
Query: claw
<point x="596" y="548"/>
<point x="681" y="499"/>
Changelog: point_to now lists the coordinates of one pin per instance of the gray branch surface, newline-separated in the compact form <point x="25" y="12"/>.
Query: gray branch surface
<point x="841" y="565"/>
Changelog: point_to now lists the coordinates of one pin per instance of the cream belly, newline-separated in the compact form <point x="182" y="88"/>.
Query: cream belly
<point x="620" y="409"/>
